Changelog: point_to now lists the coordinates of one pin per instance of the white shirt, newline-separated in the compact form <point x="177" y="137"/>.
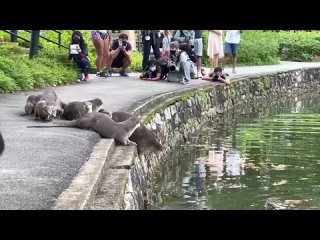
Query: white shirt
<point x="233" y="36"/>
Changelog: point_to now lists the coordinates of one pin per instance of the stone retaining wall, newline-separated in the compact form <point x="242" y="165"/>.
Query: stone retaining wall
<point x="177" y="117"/>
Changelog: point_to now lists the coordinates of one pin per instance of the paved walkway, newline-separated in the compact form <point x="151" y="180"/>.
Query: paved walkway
<point x="38" y="164"/>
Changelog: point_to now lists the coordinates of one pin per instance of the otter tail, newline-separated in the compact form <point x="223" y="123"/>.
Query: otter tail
<point x="73" y="123"/>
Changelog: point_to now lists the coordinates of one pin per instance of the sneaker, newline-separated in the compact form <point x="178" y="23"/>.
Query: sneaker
<point x="110" y="72"/>
<point x="123" y="73"/>
<point x="234" y="71"/>
<point x="82" y="76"/>
<point x="102" y="74"/>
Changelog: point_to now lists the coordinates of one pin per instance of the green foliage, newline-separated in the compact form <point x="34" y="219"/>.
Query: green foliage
<point x="49" y="68"/>
<point x="6" y="83"/>
<point x="299" y="46"/>
<point x="256" y="48"/>
<point x="259" y="47"/>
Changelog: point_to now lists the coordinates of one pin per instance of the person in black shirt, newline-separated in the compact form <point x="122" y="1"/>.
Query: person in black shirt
<point x="152" y="71"/>
<point x="216" y="76"/>
<point x="120" y="56"/>
<point x="150" y="38"/>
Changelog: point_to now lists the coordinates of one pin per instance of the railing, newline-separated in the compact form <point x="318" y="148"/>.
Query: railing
<point x="34" y="41"/>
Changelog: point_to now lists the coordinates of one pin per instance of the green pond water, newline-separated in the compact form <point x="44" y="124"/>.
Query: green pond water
<point x="244" y="160"/>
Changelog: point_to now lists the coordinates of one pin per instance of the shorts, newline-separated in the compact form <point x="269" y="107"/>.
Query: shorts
<point x="95" y="35"/>
<point x="198" y="47"/>
<point x="231" y="48"/>
<point x="117" y="63"/>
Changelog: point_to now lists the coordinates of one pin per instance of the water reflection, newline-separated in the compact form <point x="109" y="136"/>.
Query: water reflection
<point x="245" y="159"/>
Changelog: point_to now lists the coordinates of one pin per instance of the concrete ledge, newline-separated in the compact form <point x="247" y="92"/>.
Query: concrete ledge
<point x="111" y="190"/>
<point x="110" y="193"/>
<point x="80" y="191"/>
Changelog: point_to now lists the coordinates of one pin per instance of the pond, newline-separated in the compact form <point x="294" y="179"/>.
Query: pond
<point x="268" y="158"/>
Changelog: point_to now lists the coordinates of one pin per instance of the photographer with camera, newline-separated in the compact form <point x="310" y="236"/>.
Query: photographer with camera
<point x="120" y="56"/>
<point x="78" y="51"/>
<point x="182" y="63"/>
<point x="152" y="71"/>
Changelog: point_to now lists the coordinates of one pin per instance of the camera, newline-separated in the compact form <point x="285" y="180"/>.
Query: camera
<point x="171" y="66"/>
<point x="124" y="43"/>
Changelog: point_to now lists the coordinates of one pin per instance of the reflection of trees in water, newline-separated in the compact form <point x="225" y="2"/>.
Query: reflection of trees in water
<point x="255" y="135"/>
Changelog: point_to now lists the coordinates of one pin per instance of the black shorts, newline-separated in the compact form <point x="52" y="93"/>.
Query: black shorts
<point x="117" y="63"/>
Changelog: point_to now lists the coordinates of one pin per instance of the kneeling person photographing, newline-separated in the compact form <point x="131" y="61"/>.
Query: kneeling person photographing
<point x="120" y="55"/>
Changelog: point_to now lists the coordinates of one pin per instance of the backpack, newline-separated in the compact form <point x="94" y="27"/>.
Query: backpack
<point x="188" y="49"/>
<point x="163" y="63"/>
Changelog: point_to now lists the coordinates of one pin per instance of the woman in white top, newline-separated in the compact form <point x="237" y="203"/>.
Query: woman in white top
<point x="102" y="40"/>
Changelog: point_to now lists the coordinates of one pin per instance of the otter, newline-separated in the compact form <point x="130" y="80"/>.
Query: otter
<point x="31" y="103"/>
<point x="1" y="144"/>
<point x="104" y="125"/>
<point x="49" y="106"/>
<point x="75" y="110"/>
<point x="144" y="137"/>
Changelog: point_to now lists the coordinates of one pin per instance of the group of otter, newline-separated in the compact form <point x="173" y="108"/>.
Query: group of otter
<point x="124" y="127"/>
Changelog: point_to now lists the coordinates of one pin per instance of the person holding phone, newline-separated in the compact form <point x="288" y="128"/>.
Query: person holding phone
<point x="79" y="53"/>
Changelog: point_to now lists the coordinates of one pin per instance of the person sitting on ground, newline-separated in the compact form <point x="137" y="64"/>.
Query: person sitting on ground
<point x="183" y="62"/>
<point x="78" y="51"/>
<point x="216" y="76"/>
<point x="152" y="71"/>
<point x="120" y="56"/>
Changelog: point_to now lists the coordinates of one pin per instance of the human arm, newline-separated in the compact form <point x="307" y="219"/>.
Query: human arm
<point x="207" y="78"/>
<point x="156" y="78"/>
<point x="177" y="37"/>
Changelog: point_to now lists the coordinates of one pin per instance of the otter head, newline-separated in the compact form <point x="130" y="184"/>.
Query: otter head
<point x="47" y="113"/>
<point x="135" y="121"/>
<point x="29" y="108"/>
<point x="98" y="103"/>
<point x="155" y="143"/>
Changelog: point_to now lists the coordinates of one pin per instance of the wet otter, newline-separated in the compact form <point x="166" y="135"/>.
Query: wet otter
<point x="144" y="137"/>
<point x="104" y="125"/>
<point x="78" y="109"/>
<point x="49" y="106"/>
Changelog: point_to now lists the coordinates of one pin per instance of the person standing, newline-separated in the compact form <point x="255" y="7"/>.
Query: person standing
<point x="215" y="47"/>
<point x="101" y="40"/>
<point x="231" y="47"/>
<point x="150" y="38"/>
<point x="198" y="49"/>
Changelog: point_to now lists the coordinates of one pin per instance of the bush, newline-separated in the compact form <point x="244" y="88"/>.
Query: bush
<point x="49" y="68"/>
<point x="299" y="46"/>
<point x="256" y="48"/>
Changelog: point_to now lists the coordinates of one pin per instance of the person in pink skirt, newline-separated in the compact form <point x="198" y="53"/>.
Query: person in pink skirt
<point x="215" y="47"/>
